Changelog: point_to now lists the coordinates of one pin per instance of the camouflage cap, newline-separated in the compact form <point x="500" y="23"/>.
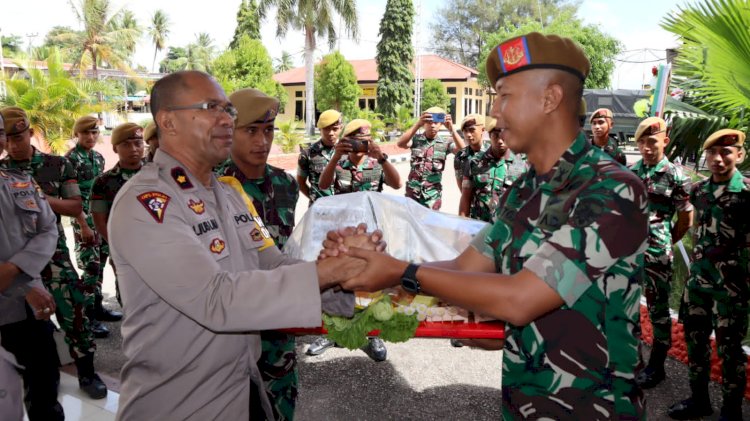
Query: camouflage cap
<point x="489" y="124"/>
<point x="328" y="118"/>
<point x="474" y="119"/>
<point x="149" y="131"/>
<point x="536" y="51"/>
<point x="15" y="120"/>
<point x="650" y="127"/>
<point x="601" y="113"/>
<point x="725" y="137"/>
<point x="358" y="127"/>
<point x="435" y="110"/>
<point x="125" y="132"/>
<point x="253" y="106"/>
<point x="85" y="124"/>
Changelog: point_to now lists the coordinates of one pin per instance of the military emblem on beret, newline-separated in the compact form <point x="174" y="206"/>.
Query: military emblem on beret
<point x="138" y="133"/>
<point x="20" y="125"/>
<point x="180" y="177"/>
<point x="217" y="246"/>
<point x="198" y="207"/>
<point x="514" y="54"/>
<point x="155" y="203"/>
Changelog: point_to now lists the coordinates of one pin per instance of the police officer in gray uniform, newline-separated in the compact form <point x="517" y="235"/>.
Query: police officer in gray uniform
<point x="27" y="242"/>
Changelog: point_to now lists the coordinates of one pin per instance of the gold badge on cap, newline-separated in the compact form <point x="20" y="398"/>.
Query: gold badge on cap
<point x="514" y="54"/>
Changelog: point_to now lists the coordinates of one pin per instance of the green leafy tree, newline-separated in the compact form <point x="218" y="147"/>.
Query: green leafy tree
<point x="461" y="27"/>
<point x="248" y="22"/>
<point x="12" y="45"/>
<point x="288" y="137"/>
<point x="600" y="48"/>
<point x="336" y="84"/>
<point x="248" y="66"/>
<point x="403" y="118"/>
<point x="54" y="100"/>
<point x="68" y="52"/>
<point x="197" y="55"/>
<point x="315" y="18"/>
<point x="377" y="123"/>
<point x="395" y="54"/>
<point x="434" y="94"/>
<point x="284" y="63"/>
<point x="158" y="32"/>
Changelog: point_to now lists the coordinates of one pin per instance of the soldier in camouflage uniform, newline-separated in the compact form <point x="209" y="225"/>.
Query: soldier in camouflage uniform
<point x="313" y="159"/>
<point x="717" y="292"/>
<point x="428" y="154"/>
<point x="127" y="142"/>
<point x="274" y="194"/>
<point x="91" y="252"/>
<point x="57" y="178"/>
<point x="487" y="178"/>
<point x="562" y="263"/>
<point x="668" y="195"/>
<point x="472" y="128"/>
<point x="601" y="123"/>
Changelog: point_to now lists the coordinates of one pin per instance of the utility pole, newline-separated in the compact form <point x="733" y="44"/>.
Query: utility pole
<point x="31" y="37"/>
<point x="417" y="60"/>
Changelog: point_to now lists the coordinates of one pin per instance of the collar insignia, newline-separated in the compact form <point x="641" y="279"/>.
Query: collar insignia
<point x="180" y="177"/>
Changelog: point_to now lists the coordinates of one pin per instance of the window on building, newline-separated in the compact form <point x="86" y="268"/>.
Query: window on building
<point x="299" y="107"/>
<point x="452" y="107"/>
<point x="298" y="94"/>
<point x="451" y="90"/>
<point x="466" y="91"/>
<point x="362" y="103"/>
<point x="478" y="105"/>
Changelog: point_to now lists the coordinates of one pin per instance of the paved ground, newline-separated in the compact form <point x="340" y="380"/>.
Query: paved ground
<point x="423" y="379"/>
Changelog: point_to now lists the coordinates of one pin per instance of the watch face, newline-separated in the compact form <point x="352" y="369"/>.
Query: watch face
<point x="410" y="285"/>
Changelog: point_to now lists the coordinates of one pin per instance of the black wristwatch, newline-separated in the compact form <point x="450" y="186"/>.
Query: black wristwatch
<point x="383" y="158"/>
<point x="409" y="280"/>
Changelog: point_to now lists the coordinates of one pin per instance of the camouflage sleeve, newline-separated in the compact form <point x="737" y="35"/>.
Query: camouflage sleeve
<point x="294" y="186"/>
<point x="69" y="180"/>
<point x="681" y="192"/>
<point x="98" y="202"/>
<point x="608" y="224"/>
<point x="303" y="163"/>
<point x="479" y="242"/>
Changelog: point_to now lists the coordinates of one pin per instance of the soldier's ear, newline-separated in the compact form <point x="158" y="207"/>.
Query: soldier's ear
<point x="666" y="140"/>
<point x="553" y="95"/>
<point x="165" y="122"/>
<point x="740" y="155"/>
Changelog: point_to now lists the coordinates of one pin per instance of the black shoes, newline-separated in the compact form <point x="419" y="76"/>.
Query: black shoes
<point x="99" y="330"/>
<point x="690" y="409"/>
<point x="320" y="346"/>
<point x="455" y="343"/>
<point x="105" y="315"/>
<point x="375" y="349"/>
<point x="650" y="377"/>
<point x="93" y="386"/>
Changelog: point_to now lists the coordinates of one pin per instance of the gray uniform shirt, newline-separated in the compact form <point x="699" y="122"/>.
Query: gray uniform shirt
<point x="197" y="285"/>
<point x="28" y="239"/>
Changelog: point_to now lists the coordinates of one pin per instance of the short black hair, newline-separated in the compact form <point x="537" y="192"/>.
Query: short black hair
<point x="167" y="88"/>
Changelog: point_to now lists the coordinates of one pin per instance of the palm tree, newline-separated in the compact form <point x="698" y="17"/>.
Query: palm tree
<point x="158" y="31"/>
<point x="54" y="100"/>
<point x="107" y="35"/>
<point x="284" y="63"/>
<point x="315" y="18"/>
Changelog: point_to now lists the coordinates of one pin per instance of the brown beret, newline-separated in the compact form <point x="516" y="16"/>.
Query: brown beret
<point x="476" y="119"/>
<point x="650" y="127"/>
<point x="536" y="51"/>
<point x="328" y="118"/>
<point x="358" y="127"/>
<point x="253" y="106"/>
<point x="126" y="131"/>
<point x="601" y="113"/>
<point x="435" y="110"/>
<point x="725" y="137"/>
<point x="149" y="131"/>
<point x="85" y="124"/>
<point x="14" y="120"/>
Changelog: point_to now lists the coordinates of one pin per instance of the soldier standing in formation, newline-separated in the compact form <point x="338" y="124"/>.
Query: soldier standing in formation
<point x="668" y="195"/>
<point x="27" y="242"/>
<point x="716" y="295"/>
<point x="58" y="180"/>
<point x="601" y="124"/>
<point x="428" y="153"/>
<point x="313" y="159"/>
<point x="274" y="194"/>
<point x="472" y="128"/>
<point x="91" y="252"/>
<point x="127" y="142"/>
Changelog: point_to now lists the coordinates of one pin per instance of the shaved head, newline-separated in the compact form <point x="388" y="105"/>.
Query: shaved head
<point x="168" y="89"/>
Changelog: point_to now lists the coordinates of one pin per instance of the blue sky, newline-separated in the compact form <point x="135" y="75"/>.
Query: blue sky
<point x="634" y="22"/>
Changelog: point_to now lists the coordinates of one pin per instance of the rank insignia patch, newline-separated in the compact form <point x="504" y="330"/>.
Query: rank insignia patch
<point x="155" y="203"/>
<point x="217" y="245"/>
<point x="180" y="177"/>
<point x="256" y="235"/>
<point x="20" y="184"/>
<point x="198" y="207"/>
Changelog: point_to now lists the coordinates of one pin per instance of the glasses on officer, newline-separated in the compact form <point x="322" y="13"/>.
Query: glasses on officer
<point x="214" y="107"/>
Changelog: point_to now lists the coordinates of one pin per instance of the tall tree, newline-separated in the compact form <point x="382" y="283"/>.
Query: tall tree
<point x="284" y="63"/>
<point x="336" y="85"/>
<point x="434" y="94"/>
<point x="248" y="22"/>
<point x="125" y="20"/>
<point x="395" y="54"/>
<point x="197" y="55"/>
<point x="248" y="66"/>
<point x="12" y="45"/>
<point x="105" y="37"/>
<point x="461" y="27"/>
<point x="68" y="53"/>
<point x="158" y="31"/>
<point x="315" y="18"/>
<point x="600" y="48"/>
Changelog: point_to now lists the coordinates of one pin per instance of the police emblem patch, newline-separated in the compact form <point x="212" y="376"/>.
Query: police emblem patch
<point x="155" y="203"/>
<point x="180" y="177"/>
<point x="30" y="203"/>
<point x="256" y="235"/>
<point x="217" y="245"/>
<point x="198" y="207"/>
